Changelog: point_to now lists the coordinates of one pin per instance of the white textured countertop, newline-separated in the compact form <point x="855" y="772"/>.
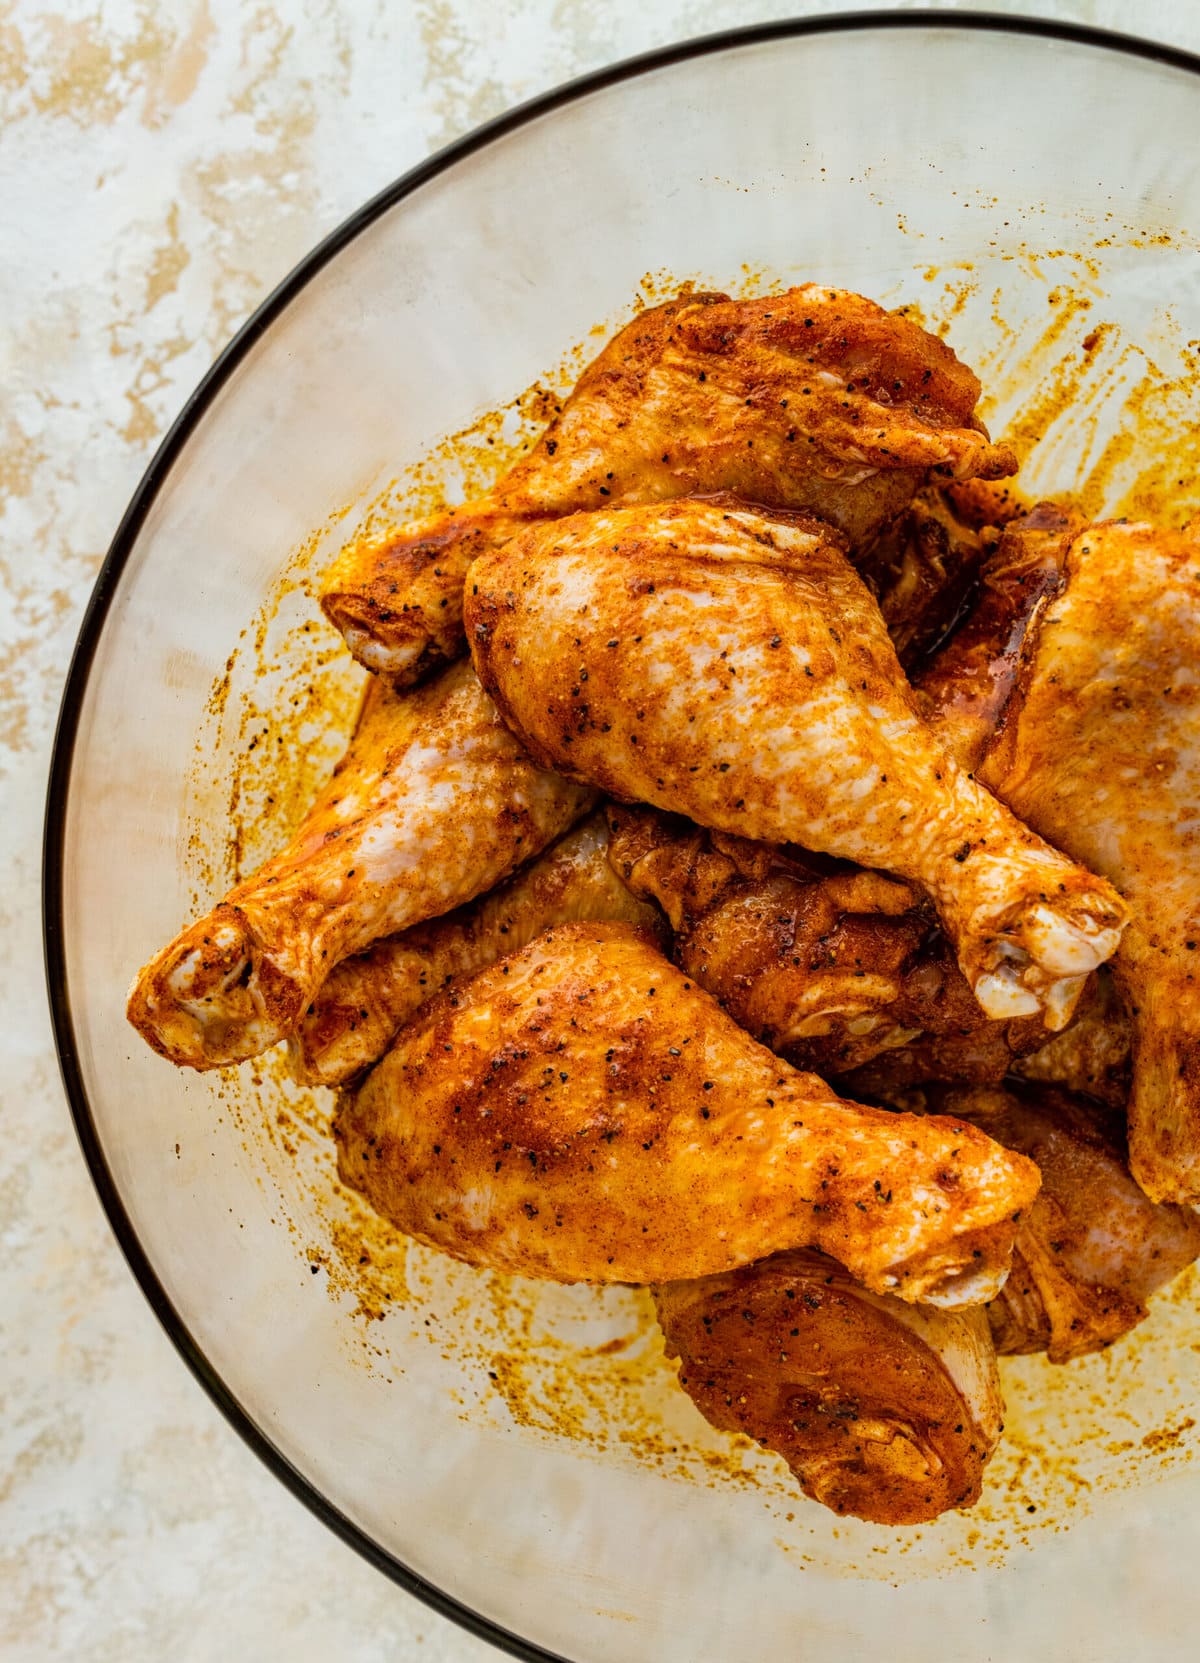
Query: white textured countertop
<point x="162" y="167"/>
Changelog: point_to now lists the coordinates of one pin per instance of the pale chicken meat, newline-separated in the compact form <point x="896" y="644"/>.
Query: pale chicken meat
<point x="1100" y="750"/>
<point x="730" y="665"/>
<point x="882" y="1410"/>
<point x="434" y="802"/>
<point x="812" y="399"/>
<point x="366" y="999"/>
<point x="581" y="1111"/>
<point x="831" y="968"/>
<point x="1093" y="1248"/>
<point x="1092" y="1056"/>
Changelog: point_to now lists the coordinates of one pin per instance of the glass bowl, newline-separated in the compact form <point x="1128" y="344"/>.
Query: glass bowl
<point x="519" y="1456"/>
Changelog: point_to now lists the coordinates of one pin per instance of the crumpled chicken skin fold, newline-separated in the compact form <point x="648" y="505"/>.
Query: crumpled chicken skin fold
<point x="1093" y="1248"/>
<point x="811" y="399"/>
<point x="583" y="1112"/>
<point x="1100" y="750"/>
<point x="922" y="568"/>
<point x="831" y="969"/>
<point x="965" y="690"/>
<point x="366" y="999"/>
<point x="730" y="665"/>
<point x="883" y="1410"/>
<point x="434" y="802"/>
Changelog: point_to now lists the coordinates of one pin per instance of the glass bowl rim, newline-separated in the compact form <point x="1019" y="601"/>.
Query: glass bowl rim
<point x="95" y="614"/>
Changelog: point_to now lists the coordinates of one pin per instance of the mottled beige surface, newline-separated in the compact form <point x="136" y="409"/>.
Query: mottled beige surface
<point x="162" y="166"/>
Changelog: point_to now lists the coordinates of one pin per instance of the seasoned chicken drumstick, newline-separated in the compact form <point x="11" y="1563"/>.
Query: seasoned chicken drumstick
<point x="890" y="1411"/>
<point x="582" y="1112"/>
<point x="357" y="1012"/>
<point x="846" y="970"/>
<point x="434" y="802"/>
<point x="814" y="399"/>
<point x="882" y="1410"/>
<point x="1101" y="751"/>
<point x="963" y="694"/>
<point x="1092" y="1249"/>
<point x="730" y="665"/>
<point x="830" y="968"/>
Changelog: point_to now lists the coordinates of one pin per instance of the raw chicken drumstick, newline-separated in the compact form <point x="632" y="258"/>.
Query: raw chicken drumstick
<point x="582" y="1112"/>
<point x="814" y="399"/>
<point x="890" y="1411"/>
<point x="731" y="666"/>
<point x="1092" y="1249"/>
<point x="1101" y="751"/>
<point x="840" y="969"/>
<point x="357" y="1012"/>
<point x="434" y="802"/>
<point x="830" y="968"/>
<point x="963" y="694"/>
<point x="882" y="1410"/>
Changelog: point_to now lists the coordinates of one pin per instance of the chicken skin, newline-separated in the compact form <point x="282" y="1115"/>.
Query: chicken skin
<point x="1093" y="1248"/>
<point x="966" y="1052"/>
<point x="922" y="567"/>
<point x="433" y="803"/>
<point x="846" y="972"/>
<point x="1092" y="1056"/>
<point x="812" y="399"/>
<point x="963" y="693"/>
<point x="366" y="999"/>
<point x="830" y="968"/>
<point x="583" y="1112"/>
<point x="890" y="1411"/>
<point x="730" y="665"/>
<point x="833" y="969"/>
<point x="882" y="1410"/>
<point x="1100" y="750"/>
<point x="966" y="688"/>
